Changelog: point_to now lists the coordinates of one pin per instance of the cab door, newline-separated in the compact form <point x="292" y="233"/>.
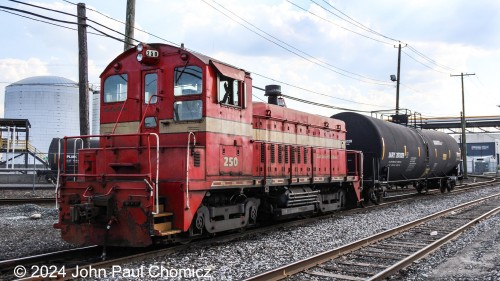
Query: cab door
<point x="150" y="102"/>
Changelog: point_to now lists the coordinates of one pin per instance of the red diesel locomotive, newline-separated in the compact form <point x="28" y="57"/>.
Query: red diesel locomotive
<point x="183" y="151"/>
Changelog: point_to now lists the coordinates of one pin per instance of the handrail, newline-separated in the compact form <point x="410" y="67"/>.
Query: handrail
<point x="74" y="152"/>
<point x="154" y="189"/>
<point x="146" y="110"/>
<point x="157" y="170"/>
<point x="58" y="169"/>
<point x="187" y="167"/>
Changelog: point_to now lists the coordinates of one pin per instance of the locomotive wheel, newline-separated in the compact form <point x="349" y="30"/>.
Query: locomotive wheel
<point x="199" y="223"/>
<point x="371" y="195"/>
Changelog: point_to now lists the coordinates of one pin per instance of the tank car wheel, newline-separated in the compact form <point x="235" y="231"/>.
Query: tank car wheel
<point x="450" y="185"/>
<point x="443" y="187"/>
<point x="420" y="187"/>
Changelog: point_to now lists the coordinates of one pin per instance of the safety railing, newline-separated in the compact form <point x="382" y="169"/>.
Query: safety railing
<point x="151" y="177"/>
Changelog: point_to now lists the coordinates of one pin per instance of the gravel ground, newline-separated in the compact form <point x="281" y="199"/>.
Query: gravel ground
<point x="235" y="260"/>
<point x="26" y="193"/>
<point x="21" y="236"/>
<point x="239" y="259"/>
<point x="475" y="255"/>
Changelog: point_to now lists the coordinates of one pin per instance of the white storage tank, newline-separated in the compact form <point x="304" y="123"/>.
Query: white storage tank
<point x="50" y="103"/>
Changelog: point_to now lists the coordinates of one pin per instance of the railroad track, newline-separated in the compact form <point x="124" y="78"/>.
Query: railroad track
<point x="34" y="200"/>
<point x="89" y="257"/>
<point x="384" y="254"/>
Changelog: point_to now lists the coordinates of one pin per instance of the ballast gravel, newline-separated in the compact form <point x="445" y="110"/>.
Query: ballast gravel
<point x="236" y="260"/>
<point x="21" y="235"/>
<point x="240" y="259"/>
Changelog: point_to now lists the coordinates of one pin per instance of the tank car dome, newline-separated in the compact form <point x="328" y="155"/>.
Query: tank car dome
<point x="50" y="103"/>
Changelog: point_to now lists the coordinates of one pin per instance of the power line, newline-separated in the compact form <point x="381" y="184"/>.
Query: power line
<point x="314" y="92"/>
<point x="285" y="83"/>
<point x="359" y="25"/>
<point x="431" y="68"/>
<point x="135" y="28"/>
<point x="54" y="24"/>
<point x="356" y="23"/>
<point x="333" y="23"/>
<point x="314" y="103"/>
<point x="314" y="60"/>
<point x="430" y="60"/>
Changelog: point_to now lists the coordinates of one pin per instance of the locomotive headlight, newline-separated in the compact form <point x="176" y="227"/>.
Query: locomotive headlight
<point x="139" y="57"/>
<point x="140" y="47"/>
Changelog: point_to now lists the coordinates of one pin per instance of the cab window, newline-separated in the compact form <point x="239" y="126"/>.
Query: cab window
<point x="229" y="91"/>
<point x="150" y="87"/>
<point x="187" y="80"/>
<point x="115" y="88"/>
<point x="188" y="110"/>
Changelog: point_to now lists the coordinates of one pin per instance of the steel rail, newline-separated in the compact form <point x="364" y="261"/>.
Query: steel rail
<point x="35" y="200"/>
<point x="305" y="264"/>
<point x="152" y="253"/>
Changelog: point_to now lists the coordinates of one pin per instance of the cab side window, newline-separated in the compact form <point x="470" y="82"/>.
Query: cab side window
<point x="229" y="91"/>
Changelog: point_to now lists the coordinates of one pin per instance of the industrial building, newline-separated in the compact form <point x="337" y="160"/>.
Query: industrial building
<point x="51" y="104"/>
<point x="482" y="152"/>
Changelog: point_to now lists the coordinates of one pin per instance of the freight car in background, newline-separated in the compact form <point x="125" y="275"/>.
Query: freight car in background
<point x="56" y="148"/>
<point x="398" y="155"/>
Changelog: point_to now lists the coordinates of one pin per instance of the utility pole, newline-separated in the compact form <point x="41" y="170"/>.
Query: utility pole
<point x="398" y="79"/>
<point x="129" y="25"/>
<point x="464" y="142"/>
<point x="83" y="83"/>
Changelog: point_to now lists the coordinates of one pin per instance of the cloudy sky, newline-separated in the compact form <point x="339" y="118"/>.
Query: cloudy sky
<point x="335" y="52"/>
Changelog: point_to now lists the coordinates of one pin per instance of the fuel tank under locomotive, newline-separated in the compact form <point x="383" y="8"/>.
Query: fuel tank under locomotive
<point x="397" y="154"/>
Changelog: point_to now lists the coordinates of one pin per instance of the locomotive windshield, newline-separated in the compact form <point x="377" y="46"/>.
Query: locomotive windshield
<point x="187" y="80"/>
<point x="115" y="88"/>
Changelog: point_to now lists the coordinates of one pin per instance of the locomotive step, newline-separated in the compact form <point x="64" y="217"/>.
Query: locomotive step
<point x="165" y="228"/>
<point x="163" y="214"/>
<point x="170" y="232"/>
